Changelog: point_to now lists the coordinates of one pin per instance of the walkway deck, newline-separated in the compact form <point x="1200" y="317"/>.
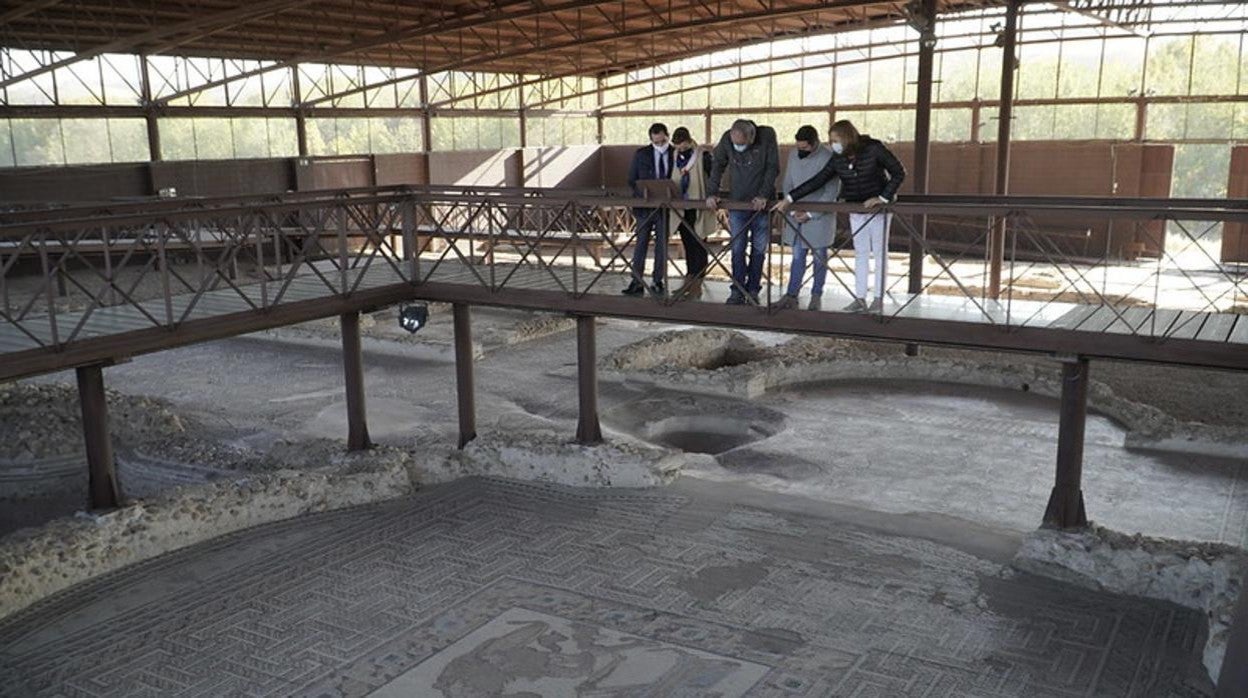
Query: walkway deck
<point x="1172" y="336"/>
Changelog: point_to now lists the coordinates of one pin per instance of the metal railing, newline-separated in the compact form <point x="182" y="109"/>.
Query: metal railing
<point x="73" y="273"/>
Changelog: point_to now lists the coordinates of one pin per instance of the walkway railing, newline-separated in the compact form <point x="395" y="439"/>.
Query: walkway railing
<point x="76" y="275"/>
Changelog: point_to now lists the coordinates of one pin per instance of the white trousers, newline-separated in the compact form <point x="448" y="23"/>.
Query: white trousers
<point x="870" y="232"/>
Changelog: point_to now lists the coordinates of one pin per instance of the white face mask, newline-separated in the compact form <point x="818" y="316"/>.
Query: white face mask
<point x="661" y="148"/>
<point x="838" y="148"/>
<point x="739" y="147"/>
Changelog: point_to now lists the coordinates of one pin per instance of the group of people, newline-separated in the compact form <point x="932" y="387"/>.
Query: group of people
<point x="851" y="167"/>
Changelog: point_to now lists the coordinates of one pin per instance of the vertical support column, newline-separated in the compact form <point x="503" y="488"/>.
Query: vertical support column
<point x="1065" y="509"/>
<point x="588" y="430"/>
<point x="101" y="469"/>
<point x="301" y="121"/>
<point x="1005" y="116"/>
<point x="353" y="371"/>
<point x="463" y="374"/>
<point x="602" y="134"/>
<point x="149" y="110"/>
<point x="426" y="126"/>
<point x="922" y="145"/>
<point x="523" y="119"/>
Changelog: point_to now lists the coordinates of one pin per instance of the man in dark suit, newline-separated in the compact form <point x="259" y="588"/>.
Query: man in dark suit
<point x="653" y="161"/>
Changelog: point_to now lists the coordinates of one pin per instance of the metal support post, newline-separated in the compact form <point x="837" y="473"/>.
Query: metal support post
<point x="1065" y="509"/>
<point x="588" y="430"/>
<point x="353" y="370"/>
<point x="103" y="490"/>
<point x="463" y="373"/>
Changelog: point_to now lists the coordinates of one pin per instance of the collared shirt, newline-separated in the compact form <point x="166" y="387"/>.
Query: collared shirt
<point x="660" y="164"/>
<point x="682" y="159"/>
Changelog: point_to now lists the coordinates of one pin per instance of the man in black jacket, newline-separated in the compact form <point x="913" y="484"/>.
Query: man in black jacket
<point x="653" y="161"/>
<point x="750" y="155"/>
<point x="870" y="175"/>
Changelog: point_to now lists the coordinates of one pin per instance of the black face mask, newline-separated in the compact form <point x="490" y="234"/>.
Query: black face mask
<point x="803" y="154"/>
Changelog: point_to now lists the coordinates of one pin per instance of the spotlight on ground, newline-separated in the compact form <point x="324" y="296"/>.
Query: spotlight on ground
<point x="413" y="317"/>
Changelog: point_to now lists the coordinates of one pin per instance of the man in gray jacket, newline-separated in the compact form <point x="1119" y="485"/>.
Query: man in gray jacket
<point x="808" y="230"/>
<point x="750" y="156"/>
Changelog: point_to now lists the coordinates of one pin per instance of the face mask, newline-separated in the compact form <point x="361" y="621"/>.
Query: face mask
<point x="739" y="147"/>
<point x="661" y="148"/>
<point x="803" y="154"/>
<point x="838" y="148"/>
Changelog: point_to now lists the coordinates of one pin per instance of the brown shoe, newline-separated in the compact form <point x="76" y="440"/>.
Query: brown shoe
<point x="691" y="290"/>
<point x="786" y="302"/>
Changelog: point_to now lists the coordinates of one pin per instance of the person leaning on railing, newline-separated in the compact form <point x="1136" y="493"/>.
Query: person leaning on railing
<point x="870" y="175"/>
<point x="808" y="231"/>
<point x="749" y="155"/>
<point x="692" y="167"/>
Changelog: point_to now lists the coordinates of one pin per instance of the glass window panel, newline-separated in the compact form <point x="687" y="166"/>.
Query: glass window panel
<point x="987" y="124"/>
<point x="851" y="83"/>
<point x="1169" y="63"/>
<point x="1037" y="71"/>
<point x="6" y="145"/>
<point x="247" y="92"/>
<point x="1210" y="120"/>
<point x="1079" y="69"/>
<point x="951" y="125"/>
<point x="990" y="74"/>
<point x="177" y="139"/>
<point x="956" y="73"/>
<point x="37" y="141"/>
<point x="122" y="79"/>
<point x="1166" y="122"/>
<point x="214" y="139"/>
<point x="322" y="136"/>
<point x="1115" y="121"/>
<point x="86" y="141"/>
<point x="1214" y="65"/>
<point x="1032" y="123"/>
<point x="251" y="138"/>
<point x="283" y="138"/>
<point x="817" y="87"/>
<point x="1123" y="68"/>
<point x="1201" y="170"/>
<point x="886" y="81"/>
<point x="442" y="132"/>
<point x="786" y="90"/>
<point x="79" y="83"/>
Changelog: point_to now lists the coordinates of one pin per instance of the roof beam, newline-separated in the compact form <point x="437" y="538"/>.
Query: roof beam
<point x="1097" y="17"/>
<point x="583" y="41"/>
<point x="28" y="8"/>
<point x="450" y="24"/>
<point x="240" y="13"/>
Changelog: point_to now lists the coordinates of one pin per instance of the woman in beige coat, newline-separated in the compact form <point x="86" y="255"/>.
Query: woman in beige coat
<point x="691" y="169"/>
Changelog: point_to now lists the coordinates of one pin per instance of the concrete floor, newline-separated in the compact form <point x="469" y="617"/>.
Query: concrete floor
<point x="486" y="587"/>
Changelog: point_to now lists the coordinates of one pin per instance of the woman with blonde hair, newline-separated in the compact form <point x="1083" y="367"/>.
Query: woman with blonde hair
<point x="692" y="166"/>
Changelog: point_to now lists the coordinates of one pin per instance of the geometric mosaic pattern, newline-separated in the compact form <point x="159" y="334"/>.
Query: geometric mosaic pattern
<point x="485" y="587"/>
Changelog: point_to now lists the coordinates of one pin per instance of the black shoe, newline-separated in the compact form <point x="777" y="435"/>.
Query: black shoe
<point x="754" y="299"/>
<point x="735" y="298"/>
<point x="658" y="289"/>
<point x="636" y="288"/>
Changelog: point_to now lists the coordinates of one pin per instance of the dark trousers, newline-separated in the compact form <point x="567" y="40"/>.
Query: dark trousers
<point x="695" y="249"/>
<point x="651" y="222"/>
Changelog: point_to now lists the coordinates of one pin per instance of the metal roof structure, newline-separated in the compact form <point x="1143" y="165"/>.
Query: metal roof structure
<point x="529" y="36"/>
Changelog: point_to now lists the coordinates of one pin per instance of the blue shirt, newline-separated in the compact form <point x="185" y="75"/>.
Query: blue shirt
<point x="682" y="159"/>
